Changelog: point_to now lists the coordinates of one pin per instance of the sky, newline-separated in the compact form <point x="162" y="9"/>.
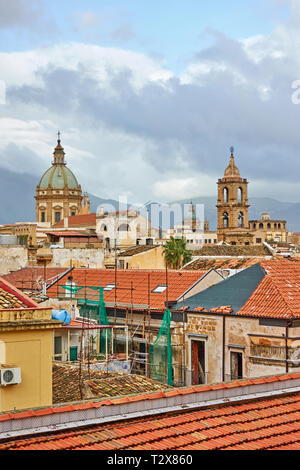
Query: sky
<point x="150" y="96"/>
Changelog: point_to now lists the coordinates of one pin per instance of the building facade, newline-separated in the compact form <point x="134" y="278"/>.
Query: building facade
<point x="268" y="230"/>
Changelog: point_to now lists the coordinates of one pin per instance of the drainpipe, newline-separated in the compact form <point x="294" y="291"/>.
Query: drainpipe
<point x="223" y="356"/>
<point x="288" y="324"/>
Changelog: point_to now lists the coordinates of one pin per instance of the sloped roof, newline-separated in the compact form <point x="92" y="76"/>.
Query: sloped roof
<point x="233" y="250"/>
<point x="136" y="250"/>
<point x="65" y="384"/>
<point x="30" y="278"/>
<point x="233" y="291"/>
<point x="78" y="221"/>
<point x="278" y="294"/>
<point x="12" y="298"/>
<point x="132" y="285"/>
<point x="223" y="263"/>
<point x="267" y="289"/>
<point x="265" y="423"/>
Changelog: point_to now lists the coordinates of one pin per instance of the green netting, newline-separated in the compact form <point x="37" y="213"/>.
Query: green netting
<point x="160" y="353"/>
<point x="94" y="309"/>
<point x="103" y="320"/>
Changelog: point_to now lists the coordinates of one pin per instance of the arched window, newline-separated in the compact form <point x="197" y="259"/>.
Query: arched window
<point x="261" y="226"/>
<point x="254" y="226"/>
<point x="225" y="195"/>
<point x="241" y="219"/>
<point x="225" y="220"/>
<point x="240" y="195"/>
<point x="275" y="225"/>
<point x="124" y="228"/>
<point x="269" y="226"/>
<point x="279" y="225"/>
<point x="103" y="228"/>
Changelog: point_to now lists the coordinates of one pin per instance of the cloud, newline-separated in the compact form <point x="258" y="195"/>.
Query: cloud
<point x="104" y="27"/>
<point x="131" y="125"/>
<point x="86" y="20"/>
<point x="184" y="188"/>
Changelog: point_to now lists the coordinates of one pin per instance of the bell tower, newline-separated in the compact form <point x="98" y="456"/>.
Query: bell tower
<point x="233" y="222"/>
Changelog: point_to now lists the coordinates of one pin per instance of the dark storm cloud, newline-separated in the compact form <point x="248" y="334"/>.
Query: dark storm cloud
<point x="229" y="105"/>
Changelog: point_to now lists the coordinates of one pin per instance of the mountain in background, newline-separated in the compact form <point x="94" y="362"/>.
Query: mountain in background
<point x="18" y="204"/>
<point x="289" y="211"/>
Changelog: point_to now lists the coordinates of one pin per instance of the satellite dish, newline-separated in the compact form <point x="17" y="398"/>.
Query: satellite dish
<point x="296" y="357"/>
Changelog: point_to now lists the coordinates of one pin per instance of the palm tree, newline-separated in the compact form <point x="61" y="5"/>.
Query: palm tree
<point x="176" y="253"/>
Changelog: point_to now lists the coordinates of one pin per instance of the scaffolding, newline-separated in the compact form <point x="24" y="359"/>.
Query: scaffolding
<point x="150" y="347"/>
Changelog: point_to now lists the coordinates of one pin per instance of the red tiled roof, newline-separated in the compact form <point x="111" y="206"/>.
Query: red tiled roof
<point x="257" y="424"/>
<point x="15" y="297"/>
<point x="70" y="234"/>
<point x="278" y="294"/>
<point x="30" y="278"/>
<point x="221" y="263"/>
<point x="178" y="281"/>
<point x="78" y="221"/>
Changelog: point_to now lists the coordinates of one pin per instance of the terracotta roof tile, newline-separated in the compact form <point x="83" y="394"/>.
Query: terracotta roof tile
<point x="278" y="294"/>
<point x="260" y="424"/>
<point x="31" y="278"/>
<point x="78" y="221"/>
<point x="13" y="298"/>
<point x="65" y="380"/>
<point x="178" y="283"/>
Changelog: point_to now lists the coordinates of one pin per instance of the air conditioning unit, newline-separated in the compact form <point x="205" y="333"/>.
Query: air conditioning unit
<point x="10" y="376"/>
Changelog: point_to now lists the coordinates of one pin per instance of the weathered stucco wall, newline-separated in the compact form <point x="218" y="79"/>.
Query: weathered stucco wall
<point x="241" y="334"/>
<point x="12" y="258"/>
<point x="64" y="257"/>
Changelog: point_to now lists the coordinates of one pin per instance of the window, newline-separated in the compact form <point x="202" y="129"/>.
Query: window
<point x="258" y="240"/>
<point x="225" y="195"/>
<point x="236" y="365"/>
<point x="58" y="348"/>
<point x="159" y="289"/>
<point x="198" y="362"/>
<point x="109" y="287"/>
<point x="124" y="228"/>
<point x="241" y="219"/>
<point x="261" y="226"/>
<point x="72" y="214"/>
<point x="57" y="216"/>
<point x="43" y="217"/>
<point x="240" y="195"/>
<point x="225" y="220"/>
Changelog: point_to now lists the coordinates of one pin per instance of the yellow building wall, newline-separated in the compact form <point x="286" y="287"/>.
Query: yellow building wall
<point x="30" y="350"/>
<point x="152" y="259"/>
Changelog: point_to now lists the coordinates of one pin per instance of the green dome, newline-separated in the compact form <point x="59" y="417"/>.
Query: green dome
<point x="58" y="176"/>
